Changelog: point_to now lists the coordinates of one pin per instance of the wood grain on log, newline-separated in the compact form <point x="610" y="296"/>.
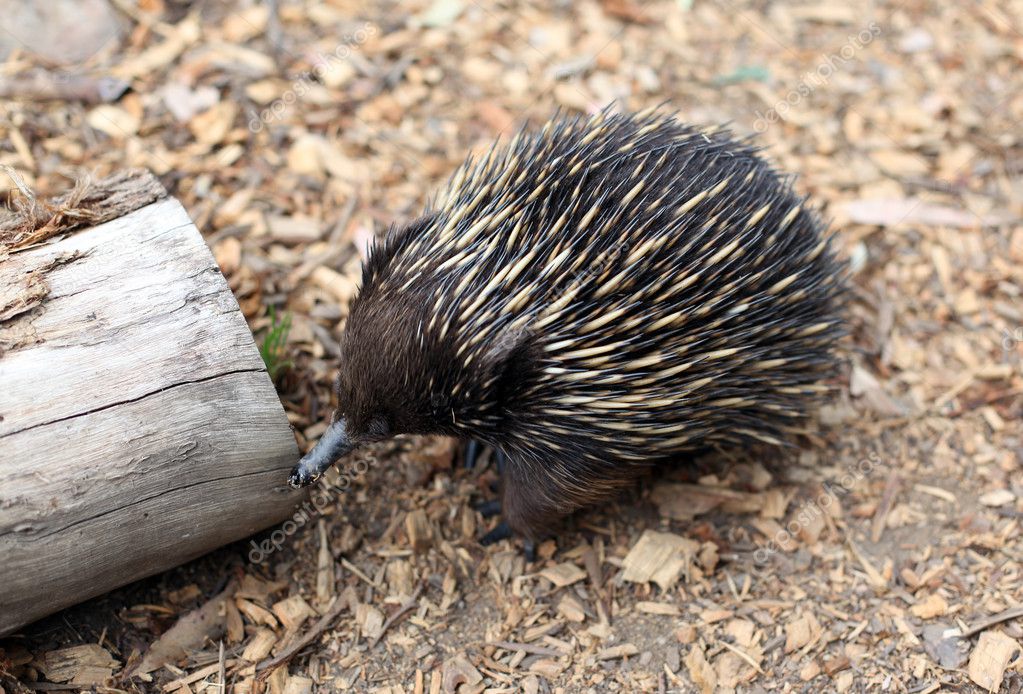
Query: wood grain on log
<point x="138" y="426"/>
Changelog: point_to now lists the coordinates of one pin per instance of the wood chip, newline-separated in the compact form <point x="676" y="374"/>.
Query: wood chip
<point x="661" y="608"/>
<point x="571" y="608"/>
<point x="659" y="557"/>
<point x="420" y="534"/>
<point x="564" y="574"/>
<point x="298" y="685"/>
<point x="294" y="229"/>
<point x="833" y="666"/>
<point x="459" y="671"/>
<point x="801" y="631"/>
<point x="930" y="607"/>
<point x="999" y="497"/>
<point x="990" y="657"/>
<point x="614" y="652"/>
<point x="81" y="665"/>
<point x="260" y="645"/>
<point x="293" y="612"/>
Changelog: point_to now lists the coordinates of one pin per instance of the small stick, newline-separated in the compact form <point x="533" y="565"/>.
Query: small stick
<point x="412" y="603"/>
<point x="268" y="666"/>
<point x="875" y="577"/>
<point x="274" y="32"/>
<point x="358" y="572"/>
<point x="221" y="669"/>
<point x="891" y="489"/>
<point x="199" y="674"/>
<point x="742" y="654"/>
<point x="63" y="86"/>
<point x="526" y="648"/>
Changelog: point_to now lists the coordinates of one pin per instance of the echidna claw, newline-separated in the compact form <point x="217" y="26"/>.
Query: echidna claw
<point x="490" y="508"/>
<point x="502" y="532"/>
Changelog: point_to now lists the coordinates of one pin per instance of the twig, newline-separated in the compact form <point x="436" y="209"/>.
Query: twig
<point x="1005" y="616"/>
<point x="266" y="667"/>
<point x="50" y="686"/>
<point x="221" y="669"/>
<point x="875" y="577"/>
<point x="526" y="648"/>
<point x="47" y="86"/>
<point x="412" y="603"/>
<point x="199" y="674"/>
<point x="891" y="489"/>
<point x="358" y="572"/>
<point x="274" y="32"/>
<point x="742" y="654"/>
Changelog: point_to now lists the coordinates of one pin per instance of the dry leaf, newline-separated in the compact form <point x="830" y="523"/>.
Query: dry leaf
<point x="113" y="121"/>
<point x="863" y="384"/>
<point x="188" y="633"/>
<point x="700" y="671"/>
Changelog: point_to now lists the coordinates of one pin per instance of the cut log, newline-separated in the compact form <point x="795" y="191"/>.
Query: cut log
<point x="138" y="426"/>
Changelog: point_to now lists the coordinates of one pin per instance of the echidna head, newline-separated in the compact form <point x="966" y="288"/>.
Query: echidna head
<point x="402" y="373"/>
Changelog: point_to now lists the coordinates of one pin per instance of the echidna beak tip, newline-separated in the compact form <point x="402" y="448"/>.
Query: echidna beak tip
<point x="299" y="479"/>
<point x="333" y="445"/>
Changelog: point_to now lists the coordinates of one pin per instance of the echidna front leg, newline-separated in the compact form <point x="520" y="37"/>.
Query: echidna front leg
<point x="473" y="450"/>
<point x="490" y="507"/>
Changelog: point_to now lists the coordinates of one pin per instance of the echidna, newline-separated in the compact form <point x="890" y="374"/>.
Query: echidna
<point x="587" y="300"/>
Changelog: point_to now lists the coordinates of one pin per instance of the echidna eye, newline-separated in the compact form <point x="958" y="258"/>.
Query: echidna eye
<point x="378" y="428"/>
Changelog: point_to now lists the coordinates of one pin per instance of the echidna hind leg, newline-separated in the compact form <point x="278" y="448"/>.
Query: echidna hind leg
<point x="502" y="532"/>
